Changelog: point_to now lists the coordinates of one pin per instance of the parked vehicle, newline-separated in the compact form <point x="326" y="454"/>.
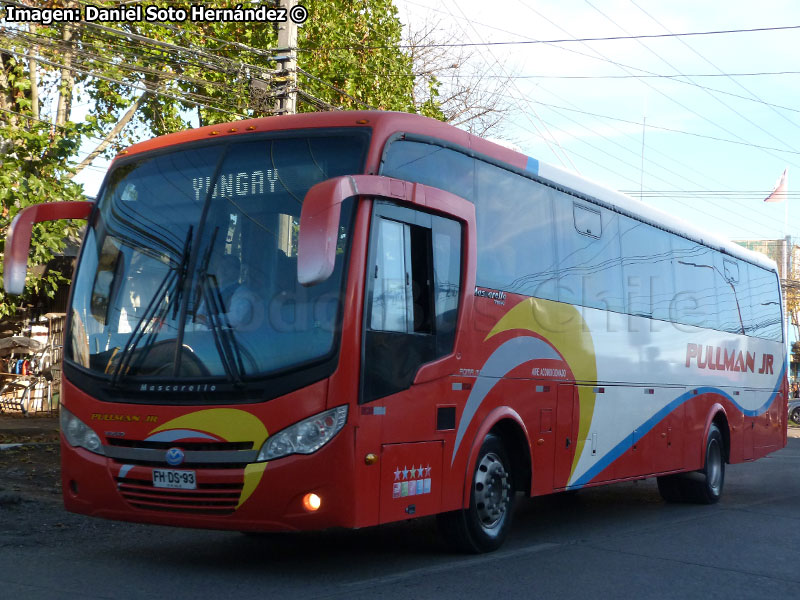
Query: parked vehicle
<point x="794" y="410"/>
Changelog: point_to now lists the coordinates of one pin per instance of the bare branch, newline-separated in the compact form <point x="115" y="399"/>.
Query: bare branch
<point x="456" y="80"/>
<point x="115" y="131"/>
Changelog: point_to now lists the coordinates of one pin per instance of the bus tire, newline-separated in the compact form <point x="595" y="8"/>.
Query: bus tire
<point x="699" y="487"/>
<point x="483" y="526"/>
<point x="672" y="488"/>
<point x="707" y="488"/>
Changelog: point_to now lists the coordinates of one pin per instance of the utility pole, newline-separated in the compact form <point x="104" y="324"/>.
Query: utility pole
<point x="286" y="101"/>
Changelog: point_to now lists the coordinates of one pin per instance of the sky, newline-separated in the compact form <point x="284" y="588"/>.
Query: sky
<point x="689" y="124"/>
<point x="700" y="136"/>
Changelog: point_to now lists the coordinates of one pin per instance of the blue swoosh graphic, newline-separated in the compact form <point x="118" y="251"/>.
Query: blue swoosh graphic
<point x="648" y="425"/>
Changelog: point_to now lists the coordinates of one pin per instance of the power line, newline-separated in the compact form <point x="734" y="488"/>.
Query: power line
<point x="693" y="207"/>
<point x="669" y="129"/>
<point x="119" y="39"/>
<point x="667" y="96"/>
<point x="670" y="65"/>
<point x="563" y="40"/>
<point x="517" y="101"/>
<point x="685" y="169"/>
<point x="529" y="101"/>
<point x="186" y="99"/>
<point x="632" y="122"/>
<point x="654" y="76"/>
<point x="89" y="57"/>
<point x="753" y="95"/>
<point x="333" y="87"/>
<point x="599" y="57"/>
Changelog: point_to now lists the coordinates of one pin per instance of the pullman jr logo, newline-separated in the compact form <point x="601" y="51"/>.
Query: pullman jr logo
<point x="715" y="358"/>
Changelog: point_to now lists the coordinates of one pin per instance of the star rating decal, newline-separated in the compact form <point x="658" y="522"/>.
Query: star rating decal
<point x="413" y="481"/>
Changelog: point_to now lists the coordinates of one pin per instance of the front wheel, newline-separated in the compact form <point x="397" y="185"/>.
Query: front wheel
<point x="796" y="415"/>
<point x="485" y="524"/>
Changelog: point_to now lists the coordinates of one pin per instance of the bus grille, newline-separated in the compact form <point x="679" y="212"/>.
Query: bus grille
<point x="207" y="499"/>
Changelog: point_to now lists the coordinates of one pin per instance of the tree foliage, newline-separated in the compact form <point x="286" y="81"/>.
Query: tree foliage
<point x="34" y="167"/>
<point x="136" y="80"/>
<point x="143" y="79"/>
<point x="456" y="84"/>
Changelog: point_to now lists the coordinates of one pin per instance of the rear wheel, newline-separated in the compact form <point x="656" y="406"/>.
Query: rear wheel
<point x="672" y="488"/>
<point x="485" y="524"/>
<point x="796" y="415"/>
<point x="708" y="488"/>
<point x="701" y="487"/>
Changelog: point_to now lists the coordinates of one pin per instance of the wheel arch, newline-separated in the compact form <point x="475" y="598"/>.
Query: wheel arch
<point x="509" y="427"/>
<point x="717" y="416"/>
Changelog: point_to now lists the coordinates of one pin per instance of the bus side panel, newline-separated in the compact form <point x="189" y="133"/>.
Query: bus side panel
<point x="769" y="428"/>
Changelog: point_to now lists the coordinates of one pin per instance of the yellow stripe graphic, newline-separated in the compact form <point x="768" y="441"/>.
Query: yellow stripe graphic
<point x="565" y="329"/>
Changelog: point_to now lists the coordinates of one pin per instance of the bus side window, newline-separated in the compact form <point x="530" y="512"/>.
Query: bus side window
<point x="589" y="259"/>
<point x="390" y="306"/>
<point x="695" y="300"/>
<point x="413" y="288"/>
<point x="765" y="302"/>
<point x="647" y="269"/>
<point x="733" y="299"/>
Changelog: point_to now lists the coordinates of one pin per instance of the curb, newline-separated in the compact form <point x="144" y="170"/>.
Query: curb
<point x="20" y="444"/>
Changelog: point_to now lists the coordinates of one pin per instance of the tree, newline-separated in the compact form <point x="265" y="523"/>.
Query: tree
<point x="34" y="167"/>
<point x="146" y="78"/>
<point x="792" y="290"/>
<point x="453" y="83"/>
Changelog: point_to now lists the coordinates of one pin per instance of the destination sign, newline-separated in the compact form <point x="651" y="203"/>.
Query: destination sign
<point x="243" y="183"/>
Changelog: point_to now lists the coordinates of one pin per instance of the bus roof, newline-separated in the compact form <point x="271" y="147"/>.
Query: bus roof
<point x="385" y="124"/>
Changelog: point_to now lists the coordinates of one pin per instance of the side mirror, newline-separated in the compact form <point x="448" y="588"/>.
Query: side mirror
<point x="319" y="229"/>
<point x="319" y="218"/>
<point x="18" y="240"/>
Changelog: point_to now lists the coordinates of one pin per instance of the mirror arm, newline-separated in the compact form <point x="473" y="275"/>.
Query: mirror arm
<point x="319" y="218"/>
<point x="18" y="240"/>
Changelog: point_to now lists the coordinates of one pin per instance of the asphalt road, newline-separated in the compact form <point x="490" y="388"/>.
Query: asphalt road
<point x="620" y="541"/>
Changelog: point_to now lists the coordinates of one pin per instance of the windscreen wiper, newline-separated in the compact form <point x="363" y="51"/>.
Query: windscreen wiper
<point x="202" y="274"/>
<point x="182" y="270"/>
<point x="227" y="346"/>
<point x="139" y="330"/>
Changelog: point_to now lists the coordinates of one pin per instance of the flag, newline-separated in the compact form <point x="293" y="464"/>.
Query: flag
<point x="779" y="192"/>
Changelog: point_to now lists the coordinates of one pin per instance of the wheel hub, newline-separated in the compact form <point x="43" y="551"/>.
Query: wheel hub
<point x="492" y="490"/>
<point x="714" y="466"/>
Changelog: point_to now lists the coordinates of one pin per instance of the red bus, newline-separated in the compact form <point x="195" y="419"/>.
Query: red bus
<point x="353" y="318"/>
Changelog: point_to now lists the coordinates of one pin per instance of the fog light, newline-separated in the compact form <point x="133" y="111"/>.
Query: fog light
<point x="311" y="502"/>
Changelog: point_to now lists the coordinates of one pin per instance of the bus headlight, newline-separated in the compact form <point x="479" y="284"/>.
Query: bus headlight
<point x="79" y="433"/>
<point x="305" y="437"/>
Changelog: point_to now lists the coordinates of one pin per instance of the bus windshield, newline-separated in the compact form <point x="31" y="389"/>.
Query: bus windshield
<point x="189" y="266"/>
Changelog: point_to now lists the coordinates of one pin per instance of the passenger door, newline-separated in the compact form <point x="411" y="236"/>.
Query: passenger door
<point x="410" y="313"/>
<point x="413" y="288"/>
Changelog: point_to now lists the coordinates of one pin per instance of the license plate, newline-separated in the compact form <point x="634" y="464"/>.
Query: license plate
<point x="169" y="478"/>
